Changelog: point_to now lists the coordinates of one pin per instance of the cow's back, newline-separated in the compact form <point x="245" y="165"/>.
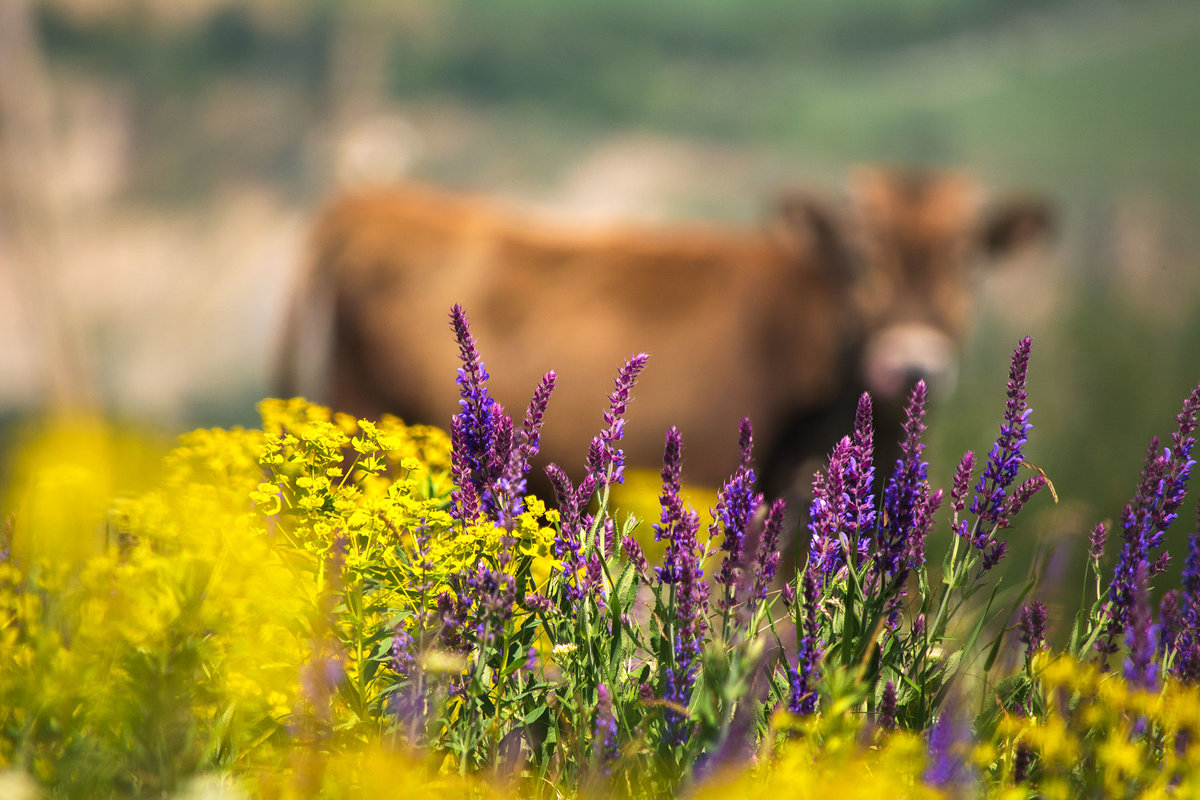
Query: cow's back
<point x="734" y="324"/>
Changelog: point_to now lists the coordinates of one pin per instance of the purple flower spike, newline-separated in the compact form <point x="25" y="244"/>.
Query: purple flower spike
<point x="1096" y="541"/>
<point x="402" y="657"/>
<point x="907" y="500"/>
<point x="681" y="571"/>
<point x="887" y="707"/>
<point x="1033" y="627"/>
<point x="1140" y="669"/>
<point x="473" y="429"/>
<point x="962" y="482"/>
<point x="1161" y="490"/>
<point x="633" y="552"/>
<point x="494" y="593"/>
<point x="567" y="544"/>
<point x="1005" y="458"/>
<point x="768" y="554"/>
<point x="843" y="508"/>
<point x="804" y="676"/>
<point x="605" y="733"/>
<point x="737" y="504"/>
<point x="606" y="462"/>
<point x="526" y="445"/>
<point x="1185" y="630"/>
<point x="949" y="745"/>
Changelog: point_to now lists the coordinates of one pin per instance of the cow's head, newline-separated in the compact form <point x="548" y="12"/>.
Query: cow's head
<point x="910" y="245"/>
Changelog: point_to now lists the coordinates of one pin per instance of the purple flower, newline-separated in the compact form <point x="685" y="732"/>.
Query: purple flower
<point x="568" y="546"/>
<point x="886" y="715"/>
<point x="452" y="612"/>
<point x="948" y="750"/>
<point x="538" y="603"/>
<point x="737" y="503"/>
<point x="1033" y="627"/>
<point x="1096" y="541"/>
<point x="681" y="573"/>
<point x="1023" y="494"/>
<point x="1161" y="490"/>
<point x="605" y="730"/>
<point x="512" y="482"/>
<point x="788" y="593"/>
<point x="633" y="552"/>
<point x="804" y="676"/>
<point x="606" y="462"/>
<point x="494" y="594"/>
<point x="768" y="554"/>
<point x="842" y="510"/>
<point x="908" y="503"/>
<point x="1005" y="458"/>
<point x="1183" y="626"/>
<point x="402" y="657"/>
<point x="489" y="461"/>
<point x="473" y="430"/>
<point x="1140" y="668"/>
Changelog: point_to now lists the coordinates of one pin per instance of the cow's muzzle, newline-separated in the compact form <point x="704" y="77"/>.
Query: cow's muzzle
<point x="900" y="355"/>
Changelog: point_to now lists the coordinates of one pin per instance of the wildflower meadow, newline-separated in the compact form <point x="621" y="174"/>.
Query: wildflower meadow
<point x="330" y="607"/>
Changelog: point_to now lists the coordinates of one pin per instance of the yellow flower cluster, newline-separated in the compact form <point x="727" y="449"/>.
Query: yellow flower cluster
<point x="163" y="615"/>
<point x="1099" y="736"/>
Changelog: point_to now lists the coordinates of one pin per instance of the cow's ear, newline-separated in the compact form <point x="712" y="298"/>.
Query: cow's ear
<point x="810" y="228"/>
<point x="1016" y="225"/>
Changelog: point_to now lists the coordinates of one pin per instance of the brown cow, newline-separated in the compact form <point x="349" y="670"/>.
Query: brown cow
<point x="785" y="323"/>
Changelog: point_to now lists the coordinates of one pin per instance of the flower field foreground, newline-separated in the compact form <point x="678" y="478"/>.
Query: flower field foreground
<point x="330" y="607"/>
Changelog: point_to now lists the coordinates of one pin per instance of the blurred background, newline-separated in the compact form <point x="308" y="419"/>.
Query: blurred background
<point x="161" y="159"/>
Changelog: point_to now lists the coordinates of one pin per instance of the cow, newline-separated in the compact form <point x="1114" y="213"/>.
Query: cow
<point x="785" y="322"/>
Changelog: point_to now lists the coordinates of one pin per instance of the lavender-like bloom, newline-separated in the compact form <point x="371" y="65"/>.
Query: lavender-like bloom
<point x="948" y="750"/>
<point x="993" y="555"/>
<point x="1161" y="490"/>
<point x="737" y="503"/>
<point x="768" y="554"/>
<point x="1169" y="627"/>
<point x="606" y="462"/>
<point x="1005" y="458"/>
<point x="1023" y="494"/>
<point x="1096" y="541"/>
<point x="886" y="715"/>
<point x="494" y="593"/>
<point x="568" y="547"/>
<point x="633" y="552"/>
<point x="605" y="730"/>
<point x="473" y="430"/>
<point x="1022" y="761"/>
<point x="1140" y="668"/>
<point x="489" y="461"/>
<point x="842" y="510"/>
<point x="525" y="446"/>
<point x="958" y="492"/>
<point x="803" y="677"/>
<point x="682" y="573"/>
<point x="907" y="502"/>
<point x="862" y="453"/>
<point x="464" y="500"/>
<point x="672" y="481"/>
<point x="452" y="612"/>
<point x="788" y="593"/>
<point x="1033" y="628"/>
<point x="402" y="657"/>
<point x="538" y="603"/>
<point x="1186" y="625"/>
